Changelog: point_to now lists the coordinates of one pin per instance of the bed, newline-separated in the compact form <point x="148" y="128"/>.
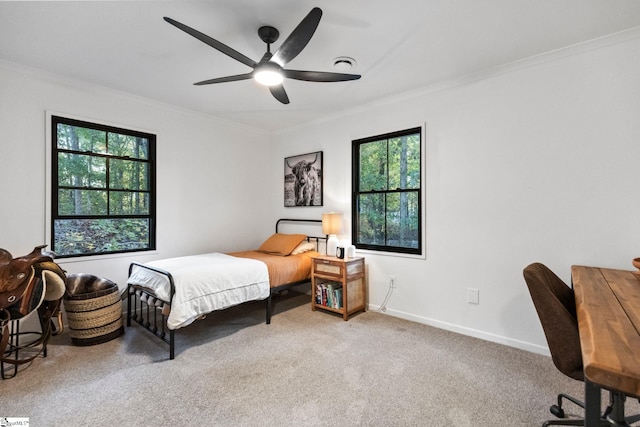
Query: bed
<point x="166" y="295"/>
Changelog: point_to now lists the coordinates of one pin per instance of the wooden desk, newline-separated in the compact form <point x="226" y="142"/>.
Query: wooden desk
<point x="608" y="310"/>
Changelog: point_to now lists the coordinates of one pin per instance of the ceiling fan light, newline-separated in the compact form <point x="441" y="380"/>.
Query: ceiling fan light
<point x="268" y="76"/>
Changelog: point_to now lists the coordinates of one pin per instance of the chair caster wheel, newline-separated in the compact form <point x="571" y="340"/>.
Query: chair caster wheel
<point x="557" y="411"/>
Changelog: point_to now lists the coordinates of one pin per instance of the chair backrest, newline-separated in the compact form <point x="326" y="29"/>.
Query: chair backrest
<point x="554" y="301"/>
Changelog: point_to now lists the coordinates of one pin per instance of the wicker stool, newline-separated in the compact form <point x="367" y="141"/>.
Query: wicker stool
<point x="94" y="309"/>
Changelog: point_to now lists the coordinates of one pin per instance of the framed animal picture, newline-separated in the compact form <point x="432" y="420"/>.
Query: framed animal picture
<point x="303" y="180"/>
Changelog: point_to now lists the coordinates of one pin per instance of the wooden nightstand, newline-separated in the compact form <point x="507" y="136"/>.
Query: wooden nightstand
<point x="338" y="285"/>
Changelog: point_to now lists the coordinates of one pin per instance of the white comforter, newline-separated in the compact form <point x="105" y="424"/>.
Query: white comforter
<point x="204" y="283"/>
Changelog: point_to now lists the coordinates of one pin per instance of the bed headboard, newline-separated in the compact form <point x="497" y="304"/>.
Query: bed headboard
<point x="311" y="227"/>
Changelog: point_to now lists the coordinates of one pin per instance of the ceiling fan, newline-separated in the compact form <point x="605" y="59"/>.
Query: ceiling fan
<point x="269" y="70"/>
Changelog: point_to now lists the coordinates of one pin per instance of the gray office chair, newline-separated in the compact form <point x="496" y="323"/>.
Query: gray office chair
<point x="555" y="303"/>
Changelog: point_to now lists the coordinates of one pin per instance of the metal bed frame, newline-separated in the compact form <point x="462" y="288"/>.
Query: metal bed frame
<point x="150" y="315"/>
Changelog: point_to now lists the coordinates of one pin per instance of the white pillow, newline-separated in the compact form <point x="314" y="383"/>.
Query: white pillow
<point x="303" y="247"/>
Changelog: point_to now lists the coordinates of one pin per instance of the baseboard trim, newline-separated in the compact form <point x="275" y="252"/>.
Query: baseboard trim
<point x="486" y="336"/>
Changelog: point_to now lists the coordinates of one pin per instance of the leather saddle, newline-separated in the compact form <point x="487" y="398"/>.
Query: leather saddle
<point x="19" y="284"/>
<point x="28" y="283"/>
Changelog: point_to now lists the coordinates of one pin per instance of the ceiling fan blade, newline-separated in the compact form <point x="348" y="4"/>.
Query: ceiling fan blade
<point x="279" y="93"/>
<point x="213" y="43"/>
<point x="319" y="76"/>
<point x="235" y="78"/>
<point x="298" y="38"/>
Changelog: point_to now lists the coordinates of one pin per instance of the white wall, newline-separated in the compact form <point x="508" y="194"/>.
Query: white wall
<point x="535" y="161"/>
<point x="206" y="170"/>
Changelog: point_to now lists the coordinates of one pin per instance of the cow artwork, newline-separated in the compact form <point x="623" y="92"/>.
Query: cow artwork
<point x="303" y="180"/>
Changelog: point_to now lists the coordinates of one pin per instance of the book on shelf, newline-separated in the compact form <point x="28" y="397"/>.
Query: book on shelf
<point x="329" y="294"/>
<point x="318" y="294"/>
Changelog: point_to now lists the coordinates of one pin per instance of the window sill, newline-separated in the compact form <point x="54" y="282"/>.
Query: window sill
<point x="390" y="254"/>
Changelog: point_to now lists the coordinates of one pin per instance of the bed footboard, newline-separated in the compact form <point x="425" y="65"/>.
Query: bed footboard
<point x="149" y="311"/>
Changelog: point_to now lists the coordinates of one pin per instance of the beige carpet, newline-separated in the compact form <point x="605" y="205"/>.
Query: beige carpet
<point x="305" y="369"/>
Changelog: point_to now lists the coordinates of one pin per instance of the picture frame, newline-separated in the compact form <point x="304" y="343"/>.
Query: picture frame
<point x="303" y="180"/>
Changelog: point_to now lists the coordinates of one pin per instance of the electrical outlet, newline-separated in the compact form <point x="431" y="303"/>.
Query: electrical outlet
<point x="473" y="296"/>
<point x="392" y="282"/>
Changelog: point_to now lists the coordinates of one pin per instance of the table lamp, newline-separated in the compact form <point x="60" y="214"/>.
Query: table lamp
<point x="332" y="226"/>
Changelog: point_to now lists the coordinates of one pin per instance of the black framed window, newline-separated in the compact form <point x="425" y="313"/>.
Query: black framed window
<point x="102" y="189"/>
<point x="387" y="192"/>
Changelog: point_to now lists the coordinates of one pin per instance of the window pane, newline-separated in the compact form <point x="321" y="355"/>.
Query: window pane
<point x="128" y="203"/>
<point x="90" y="236"/>
<point x="79" y="170"/>
<point x="128" y="146"/>
<point x="373" y="166"/>
<point x="81" y="202"/>
<point x="128" y="175"/>
<point x="404" y="162"/>
<point x="371" y="221"/>
<point x="402" y="219"/>
<point x="81" y="139"/>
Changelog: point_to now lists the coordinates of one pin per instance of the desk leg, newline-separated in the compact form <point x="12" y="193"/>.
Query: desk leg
<point x="591" y="404"/>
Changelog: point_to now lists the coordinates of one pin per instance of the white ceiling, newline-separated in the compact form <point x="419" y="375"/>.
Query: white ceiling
<point x="399" y="46"/>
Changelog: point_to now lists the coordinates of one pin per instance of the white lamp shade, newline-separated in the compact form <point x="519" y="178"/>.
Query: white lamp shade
<point x="332" y="226"/>
<point x="332" y="223"/>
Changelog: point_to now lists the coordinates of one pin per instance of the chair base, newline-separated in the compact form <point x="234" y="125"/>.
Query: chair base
<point x="612" y="416"/>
